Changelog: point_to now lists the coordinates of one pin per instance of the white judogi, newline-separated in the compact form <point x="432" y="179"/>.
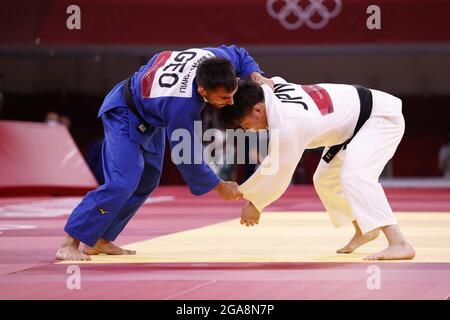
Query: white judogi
<point x="348" y="186"/>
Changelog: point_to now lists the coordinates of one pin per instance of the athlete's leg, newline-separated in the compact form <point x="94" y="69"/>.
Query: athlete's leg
<point x="366" y="157"/>
<point x="327" y="181"/>
<point x="148" y="183"/>
<point x="123" y="166"/>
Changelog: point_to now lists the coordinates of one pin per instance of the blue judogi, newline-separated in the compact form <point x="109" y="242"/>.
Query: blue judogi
<point x="165" y="94"/>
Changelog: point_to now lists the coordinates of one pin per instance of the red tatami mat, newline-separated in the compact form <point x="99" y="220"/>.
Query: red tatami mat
<point x="29" y="238"/>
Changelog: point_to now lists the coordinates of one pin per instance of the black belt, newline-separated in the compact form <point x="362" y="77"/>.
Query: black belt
<point x="366" y="103"/>
<point x="143" y="126"/>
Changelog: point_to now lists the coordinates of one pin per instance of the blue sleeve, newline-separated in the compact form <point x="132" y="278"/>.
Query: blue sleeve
<point x="239" y="57"/>
<point x="197" y="174"/>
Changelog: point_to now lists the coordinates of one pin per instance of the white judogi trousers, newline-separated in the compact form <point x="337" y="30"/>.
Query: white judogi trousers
<point x="348" y="186"/>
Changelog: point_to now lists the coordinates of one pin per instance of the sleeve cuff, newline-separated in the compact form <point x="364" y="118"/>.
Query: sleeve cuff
<point x="259" y="206"/>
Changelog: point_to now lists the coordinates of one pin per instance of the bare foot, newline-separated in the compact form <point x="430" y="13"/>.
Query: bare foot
<point x="106" y="247"/>
<point x="394" y="252"/>
<point x="69" y="251"/>
<point x="358" y="240"/>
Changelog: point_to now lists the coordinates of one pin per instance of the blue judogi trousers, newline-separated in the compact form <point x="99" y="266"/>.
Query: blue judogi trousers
<point x="131" y="175"/>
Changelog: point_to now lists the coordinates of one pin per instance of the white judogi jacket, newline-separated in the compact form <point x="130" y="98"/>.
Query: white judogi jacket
<point x="299" y="118"/>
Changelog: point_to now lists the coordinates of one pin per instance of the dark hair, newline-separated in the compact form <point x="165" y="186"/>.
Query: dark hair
<point x="246" y="97"/>
<point x="216" y="72"/>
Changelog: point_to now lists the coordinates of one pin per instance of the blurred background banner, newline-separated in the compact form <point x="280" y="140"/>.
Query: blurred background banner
<point x="208" y="23"/>
<point x="37" y="158"/>
<point x="51" y="64"/>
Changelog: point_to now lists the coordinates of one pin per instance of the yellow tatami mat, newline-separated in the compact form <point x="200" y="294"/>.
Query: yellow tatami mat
<point x="287" y="237"/>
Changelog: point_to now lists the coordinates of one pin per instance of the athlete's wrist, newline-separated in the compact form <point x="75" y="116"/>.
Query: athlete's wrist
<point x="257" y="77"/>
<point x="219" y="186"/>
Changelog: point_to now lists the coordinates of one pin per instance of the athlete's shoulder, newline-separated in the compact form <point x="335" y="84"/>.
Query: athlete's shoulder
<point x="229" y="52"/>
<point x="277" y="80"/>
<point x="269" y="95"/>
<point x="172" y="74"/>
<point x="222" y="51"/>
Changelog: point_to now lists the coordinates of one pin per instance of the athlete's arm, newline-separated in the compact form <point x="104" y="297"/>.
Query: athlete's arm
<point x="274" y="175"/>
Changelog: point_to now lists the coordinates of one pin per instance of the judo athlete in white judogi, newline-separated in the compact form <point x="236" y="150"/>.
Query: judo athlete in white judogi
<point x="360" y="130"/>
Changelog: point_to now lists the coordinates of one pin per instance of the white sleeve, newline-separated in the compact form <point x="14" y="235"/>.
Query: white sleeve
<point x="274" y="174"/>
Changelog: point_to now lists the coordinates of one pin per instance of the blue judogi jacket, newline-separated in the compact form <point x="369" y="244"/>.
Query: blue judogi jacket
<point x="165" y="94"/>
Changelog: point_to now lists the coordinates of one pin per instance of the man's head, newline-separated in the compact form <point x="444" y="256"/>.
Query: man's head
<point x="249" y="109"/>
<point x="217" y="82"/>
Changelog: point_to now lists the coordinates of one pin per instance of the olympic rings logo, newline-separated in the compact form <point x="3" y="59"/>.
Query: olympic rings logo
<point x="303" y="15"/>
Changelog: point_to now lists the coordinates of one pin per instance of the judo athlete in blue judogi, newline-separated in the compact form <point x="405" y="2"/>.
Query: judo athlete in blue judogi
<point x="166" y="94"/>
